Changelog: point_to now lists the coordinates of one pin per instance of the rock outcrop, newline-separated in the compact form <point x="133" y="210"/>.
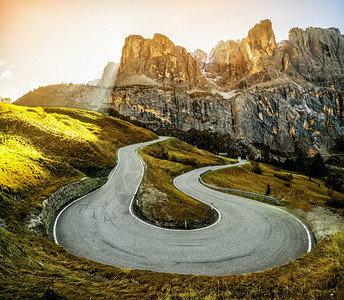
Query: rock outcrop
<point x="317" y="55"/>
<point x="159" y="60"/>
<point x="243" y="63"/>
<point x="313" y="55"/>
<point x="282" y="117"/>
<point x="254" y="91"/>
<point x="173" y="108"/>
<point x="109" y="75"/>
<point x="201" y="57"/>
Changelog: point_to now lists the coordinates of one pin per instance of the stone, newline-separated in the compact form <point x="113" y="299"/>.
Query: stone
<point x="234" y="61"/>
<point x="280" y="117"/>
<point x="159" y="60"/>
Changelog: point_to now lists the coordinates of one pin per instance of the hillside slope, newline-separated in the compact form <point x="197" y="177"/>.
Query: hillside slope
<point x="42" y="149"/>
<point x="68" y="95"/>
<point x="38" y="153"/>
<point x="159" y="202"/>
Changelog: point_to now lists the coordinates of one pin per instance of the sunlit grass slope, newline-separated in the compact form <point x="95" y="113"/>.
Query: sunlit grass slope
<point x="160" y="203"/>
<point x="295" y="191"/>
<point x="43" y="149"/>
<point x="37" y="156"/>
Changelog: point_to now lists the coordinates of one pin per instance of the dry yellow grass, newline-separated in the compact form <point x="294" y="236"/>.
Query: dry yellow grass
<point x="44" y="149"/>
<point x="161" y="203"/>
<point x="300" y="192"/>
<point x="35" y="268"/>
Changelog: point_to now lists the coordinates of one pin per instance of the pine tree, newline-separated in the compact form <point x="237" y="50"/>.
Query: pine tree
<point x="268" y="190"/>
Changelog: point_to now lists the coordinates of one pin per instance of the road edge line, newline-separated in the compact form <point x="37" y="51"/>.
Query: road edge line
<point x="162" y="228"/>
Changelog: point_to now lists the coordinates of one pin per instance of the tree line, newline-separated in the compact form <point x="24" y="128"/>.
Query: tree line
<point x="313" y="167"/>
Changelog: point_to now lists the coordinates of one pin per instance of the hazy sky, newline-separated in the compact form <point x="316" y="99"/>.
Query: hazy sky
<point x="54" y="41"/>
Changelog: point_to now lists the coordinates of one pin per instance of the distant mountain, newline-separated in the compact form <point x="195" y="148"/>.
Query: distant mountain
<point x="68" y="95"/>
<point x="313" y="55"/>
<point x="109" y="75"/>
<point x="93" y="82"/>
<point x="250" y="92"/>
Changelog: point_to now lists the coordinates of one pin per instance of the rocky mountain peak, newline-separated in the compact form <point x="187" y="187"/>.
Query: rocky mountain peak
<point x="162" y="45"/>
<point x="237" y="63"/>
<point x="317" y="54"/>
<point x="109" y="75"/>
<point x="201" y="57"/>
<point x="260" y="40"/>
<point x="158" y="60"/>
<point x="134" y="45"/>
<point x="220" y="47"/>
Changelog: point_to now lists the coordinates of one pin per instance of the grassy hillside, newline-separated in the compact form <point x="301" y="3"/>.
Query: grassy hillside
<point x="292" y="189"/>
<point x="44" y="149"/>
<point x="34" y="268"/>
<point x="160" y="203"/>
<point x="66" y="95"/>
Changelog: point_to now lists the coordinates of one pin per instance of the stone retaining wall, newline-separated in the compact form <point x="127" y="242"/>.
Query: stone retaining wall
<point x="65" y="195"/>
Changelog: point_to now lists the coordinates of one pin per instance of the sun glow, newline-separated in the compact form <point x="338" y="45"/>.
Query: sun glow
<point x="72" y="41"/>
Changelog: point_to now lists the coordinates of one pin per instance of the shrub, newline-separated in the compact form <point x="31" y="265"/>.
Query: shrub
<point x="268" y="190"/>
<point x="335" y="202"/>
<point x="285" y="177"/>
<point x="335" y="181"/>
<point x="256" y="167"/>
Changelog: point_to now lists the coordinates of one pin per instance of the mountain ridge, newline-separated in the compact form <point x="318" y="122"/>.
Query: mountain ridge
<point x="285" y="95"/>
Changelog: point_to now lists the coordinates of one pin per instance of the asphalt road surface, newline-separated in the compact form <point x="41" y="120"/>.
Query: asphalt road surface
<point x="249" y="236"/>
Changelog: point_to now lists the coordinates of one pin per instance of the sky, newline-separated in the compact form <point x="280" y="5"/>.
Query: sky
<point x="61" y="41"/>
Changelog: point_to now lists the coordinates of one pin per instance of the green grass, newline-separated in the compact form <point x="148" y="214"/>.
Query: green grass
<point x="160" y="203"/>
<point x="33" y="267"/>
<point x="297" y="192"/>
<point x="44" y="149"/>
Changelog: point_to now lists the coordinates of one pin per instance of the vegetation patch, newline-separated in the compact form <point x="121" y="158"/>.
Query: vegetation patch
<point x="299" y="192"/>
<point x="159" y="202"/>
<point x="33" y="267"/>
<point x="44" y="149"/>
<point x="285" y="177"/>
<point x="256" y="167"/>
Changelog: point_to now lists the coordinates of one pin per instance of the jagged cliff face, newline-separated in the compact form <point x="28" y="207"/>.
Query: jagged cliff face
<point x="280" y="117"/>
<point x="255" y="91"/>
<point x="243" y="63"/>
<point x="145" y="61"/>
<point x="173" y="108"/>
<point x="313" y="55"/>
<point x="284" y="117"/>
<point x="317" y="55"/>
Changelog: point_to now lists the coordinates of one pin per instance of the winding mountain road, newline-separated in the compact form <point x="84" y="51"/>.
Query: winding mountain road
<point x="249" y="236"/>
